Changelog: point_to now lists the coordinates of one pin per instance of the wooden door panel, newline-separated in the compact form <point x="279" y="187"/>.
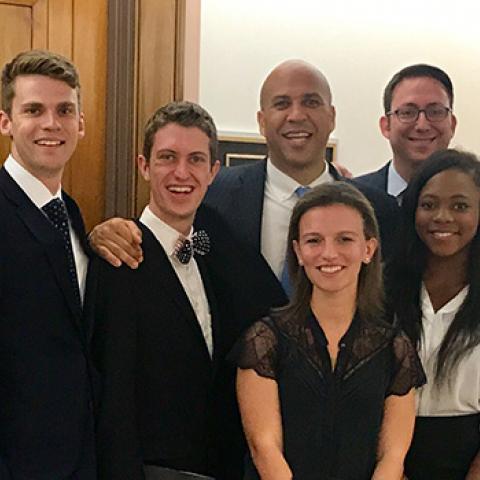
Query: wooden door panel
<point x="77" y="30"/>
<point x="15" y="36"/>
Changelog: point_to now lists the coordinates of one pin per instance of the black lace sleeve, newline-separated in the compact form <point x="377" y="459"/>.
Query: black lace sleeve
<point x="258" y="349"/>
<point x="407" y="371"/>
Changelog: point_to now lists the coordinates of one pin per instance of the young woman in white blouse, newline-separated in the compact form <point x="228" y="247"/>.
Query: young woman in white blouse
<point x="436" y="296"/>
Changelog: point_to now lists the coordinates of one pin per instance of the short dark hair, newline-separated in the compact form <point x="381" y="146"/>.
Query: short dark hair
<point x="37" y="62"/>
<point x="415" y="71"/>
<point x="370" y="282"/>
<point x="185" y="114"/>
<point x="409" y="267"/>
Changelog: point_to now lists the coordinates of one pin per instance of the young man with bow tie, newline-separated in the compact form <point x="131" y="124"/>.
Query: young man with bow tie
<point x="159" y="341"/>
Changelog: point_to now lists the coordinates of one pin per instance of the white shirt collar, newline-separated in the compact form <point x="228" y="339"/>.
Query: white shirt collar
<point x="395" y="183"/>
<point x="451" y="307"/>
<point x="164" y="233"/>
<point x="283" y="187"/>
<point x="38" y="193"/>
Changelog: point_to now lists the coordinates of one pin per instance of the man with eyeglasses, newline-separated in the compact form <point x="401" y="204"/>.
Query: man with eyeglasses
<point x="418" y="121"/>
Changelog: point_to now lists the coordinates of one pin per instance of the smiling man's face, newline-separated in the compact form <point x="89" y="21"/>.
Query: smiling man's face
<point x="296" y="117"/>
<point x="179" y="171"/>
<point x="413" y="142"/>
<point x="44" y="125"/>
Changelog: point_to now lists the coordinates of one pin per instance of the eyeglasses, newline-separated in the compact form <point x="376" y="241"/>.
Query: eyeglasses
<point x="410" y="114"/>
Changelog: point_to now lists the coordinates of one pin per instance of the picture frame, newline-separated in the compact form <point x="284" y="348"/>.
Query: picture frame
<point x="236" y="149"/>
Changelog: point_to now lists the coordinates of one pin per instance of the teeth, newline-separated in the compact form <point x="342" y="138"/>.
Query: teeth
<point x="180" y="189"/>
<point x="49" y="143"/>
<point x="442" y="234"/>
<point x="297" y="135"/>
<point x="330" y="269"/>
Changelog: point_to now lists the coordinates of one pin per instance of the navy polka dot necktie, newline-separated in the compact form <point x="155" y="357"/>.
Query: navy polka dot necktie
<point x="56" y="212"/>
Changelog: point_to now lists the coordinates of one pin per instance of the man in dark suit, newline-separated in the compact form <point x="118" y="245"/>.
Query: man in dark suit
<point x="296" y="117"/>
<point x="160" y="340"/>
<point x="418" y="120"/>
<point x="46" y="419"/>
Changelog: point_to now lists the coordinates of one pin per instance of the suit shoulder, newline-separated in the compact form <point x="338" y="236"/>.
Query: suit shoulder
<point x="230" y="174"/>
<point x="376" y="179"/>
<point x="378" y="198"/>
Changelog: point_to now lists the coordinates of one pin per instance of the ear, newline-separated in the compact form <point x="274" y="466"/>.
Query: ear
<point x="5" y="124"/>
<point x="81" y="125"/>
<point x="334" y="116"/>
<point x="261" y="122"/>
<point x="298" y="253"/>
<point x="143" y="167"/>
<point x="371" y="247"/>
<point x="454" y="124"/>
<point x="385" y="126"/>
<point x="214" y="170"/>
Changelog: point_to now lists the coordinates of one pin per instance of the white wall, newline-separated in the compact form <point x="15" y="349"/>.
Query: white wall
<point x="358" y="45"/>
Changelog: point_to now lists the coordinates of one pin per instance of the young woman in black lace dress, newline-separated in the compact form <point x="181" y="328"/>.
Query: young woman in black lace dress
<point x="325" y="384"/>
<point x="436" y="293"/>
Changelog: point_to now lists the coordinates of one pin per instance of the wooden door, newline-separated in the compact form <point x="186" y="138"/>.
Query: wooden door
<point x="78" y="30"/>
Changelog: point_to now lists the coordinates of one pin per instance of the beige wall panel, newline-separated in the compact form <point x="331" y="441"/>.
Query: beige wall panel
<point x="156" y="72"/>
<point x="85" y="175"/>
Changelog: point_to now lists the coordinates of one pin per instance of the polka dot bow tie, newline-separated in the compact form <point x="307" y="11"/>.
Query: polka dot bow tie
<point x="185" y="248"/>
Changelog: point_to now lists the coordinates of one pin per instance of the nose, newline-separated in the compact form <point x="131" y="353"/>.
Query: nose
<point x="181" y="169"/>
<point x="50" y="121"/>
<point x="422" y="122"/>
<point x="296" y="112"/>
<point x="442" y="215"/>
<point x="329" y="250"/>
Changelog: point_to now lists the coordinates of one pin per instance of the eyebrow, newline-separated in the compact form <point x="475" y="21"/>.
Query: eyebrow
<point x="40" y="104"/>
<point x="343" y="232"/>
<point x="169" y="150"/>
<point x="432" y="195"/>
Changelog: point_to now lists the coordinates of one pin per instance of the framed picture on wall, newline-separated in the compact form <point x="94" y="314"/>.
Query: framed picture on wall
<point x="239" y="148"/>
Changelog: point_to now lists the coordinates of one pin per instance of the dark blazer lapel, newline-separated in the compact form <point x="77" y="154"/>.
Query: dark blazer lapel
<point x="383" y="176"/>
<point x="249" y="211"/>
<point x="334" y="172"/>
<point x="212" y="303"/>
<point x="158" y="266"/>
<point x="43" y="231"/>
<point x="76" y="219"/>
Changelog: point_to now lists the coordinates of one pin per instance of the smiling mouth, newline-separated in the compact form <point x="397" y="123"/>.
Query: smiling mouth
<point x="422" y="140"/>
<point x="297" y="137"/>
<point x="49" y="143"/>
<point x="330" y="268"/>
<point x="442" y="235"/>
<point x="180" y="189"/>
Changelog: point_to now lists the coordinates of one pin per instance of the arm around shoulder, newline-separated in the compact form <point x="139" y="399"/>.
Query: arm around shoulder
<point x="118" y="241"/>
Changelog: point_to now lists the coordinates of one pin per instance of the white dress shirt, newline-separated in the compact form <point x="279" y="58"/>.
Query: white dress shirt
<point x="188" y="274"/>
<point x="396" y="184"/>
<point x="460" y="393"/>
<point x="278" y="203"/>
<point x="40" y="195"/>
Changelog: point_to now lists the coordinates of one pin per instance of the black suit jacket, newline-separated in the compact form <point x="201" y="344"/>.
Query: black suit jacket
<point x="237" y="194"/>
<point x="164" y="400"/>
<point x="45" y="389"/>
<point x="377" y="179"/>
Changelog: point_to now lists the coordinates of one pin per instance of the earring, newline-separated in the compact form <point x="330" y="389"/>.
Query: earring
<point x="367" y="260"/>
